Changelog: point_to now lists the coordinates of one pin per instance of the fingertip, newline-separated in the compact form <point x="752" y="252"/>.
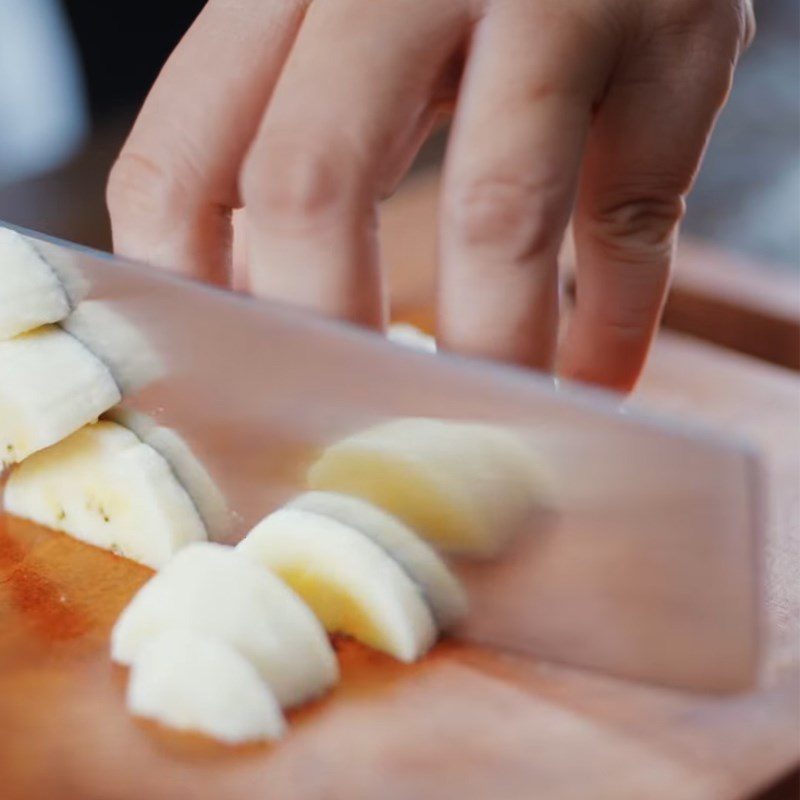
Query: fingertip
<point x="605" y="353"/>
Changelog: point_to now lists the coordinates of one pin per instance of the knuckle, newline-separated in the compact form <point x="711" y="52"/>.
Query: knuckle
<point x="726" y="21"/>
<point x="138" y="186"/>
<point x="292" y="182"/>
<point x="516" y="217"/>
<point x="639" y="227"/>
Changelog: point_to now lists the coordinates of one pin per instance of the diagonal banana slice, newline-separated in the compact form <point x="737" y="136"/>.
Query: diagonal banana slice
<point x="31" y="293"/>
<point x="466" y="487"/>
<point x="210" y="589"/>
<point x="352" y="585"/>
<point x="206" y="495"/>
<point x="442" y="591"/>
<point x="103" y="486"/>
<point x="197" y="683"/>
<point x="50" y="385"/>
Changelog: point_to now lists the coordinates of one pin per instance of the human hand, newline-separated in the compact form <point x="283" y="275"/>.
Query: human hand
<point x="308" y="113"/>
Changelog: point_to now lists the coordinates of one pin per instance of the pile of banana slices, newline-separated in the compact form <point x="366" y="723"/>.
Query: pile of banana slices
<point x="222" y="640"/>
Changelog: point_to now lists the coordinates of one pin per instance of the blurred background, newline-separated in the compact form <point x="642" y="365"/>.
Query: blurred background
<point x="74" y="72"/>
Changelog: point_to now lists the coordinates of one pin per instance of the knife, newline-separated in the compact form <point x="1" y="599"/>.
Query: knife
<point x="646" y="568"/>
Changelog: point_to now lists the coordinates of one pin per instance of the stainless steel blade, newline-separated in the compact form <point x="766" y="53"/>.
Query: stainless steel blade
<point x="647" y="568"/>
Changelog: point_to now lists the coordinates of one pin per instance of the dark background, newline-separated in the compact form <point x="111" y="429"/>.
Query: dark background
<point x="123" y="45"/>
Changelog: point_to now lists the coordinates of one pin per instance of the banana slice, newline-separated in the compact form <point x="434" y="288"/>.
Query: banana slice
<point x="31" y="293"/>
<point x="210" y="589"/>
<point x="197" y="683"/>
<point x="441" y="589"/>
<point x="104" y="486"/>
<point x="466" y="487"/>
<point x="206" y="495"/>
<point x="352" y="585"/>
<point x="411" y="336"/>
<point x="50" y="385"/>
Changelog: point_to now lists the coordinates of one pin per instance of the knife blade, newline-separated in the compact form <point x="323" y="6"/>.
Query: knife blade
<point x="647" y="568"/>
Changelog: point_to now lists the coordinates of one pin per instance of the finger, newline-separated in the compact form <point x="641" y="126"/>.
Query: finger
<point x="510" y="175"/>
<point x="351" y="101"/>
<point x="239" y="281"/>
<point x="645" y="147"/>
<point x="172" y="188"/>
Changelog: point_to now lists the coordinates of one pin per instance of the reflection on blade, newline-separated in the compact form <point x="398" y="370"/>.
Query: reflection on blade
<point x="466" y="487"/>
<point x="117" y="342"/>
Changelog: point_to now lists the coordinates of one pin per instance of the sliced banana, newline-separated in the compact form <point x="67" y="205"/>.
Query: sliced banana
<point x="352" y="584"/>
<point x="104" y="486"/>
<point x="31" y="293"/>
<point x="467" y="487"/>
<point x="50" y="385"/>
<point x="211" y="589"/>
<point x="411" y="336"/>
<point x="197" y="683"/>
<point x="441" y="589"/>
<point x="206" y="495"/>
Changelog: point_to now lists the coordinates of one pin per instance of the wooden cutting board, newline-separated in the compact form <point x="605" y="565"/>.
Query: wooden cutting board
<point x="464" y="723"/>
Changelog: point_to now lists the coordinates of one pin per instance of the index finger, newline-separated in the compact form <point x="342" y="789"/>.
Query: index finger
<point x="172" y="188"/>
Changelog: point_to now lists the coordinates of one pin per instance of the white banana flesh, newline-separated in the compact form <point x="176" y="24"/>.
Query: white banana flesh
<point x="206" y="495"/>
<point x="31" y="293"/>
<point x="212" y="590"/>
<point x="440" y="587"/>
<point x="50" y="386"/>
<point x="104" y="486"/>
<point x="466" y="487"/>
<point x="192" y="682"/>
<point x="411" y="336"/>
<point x="353" y="585"/>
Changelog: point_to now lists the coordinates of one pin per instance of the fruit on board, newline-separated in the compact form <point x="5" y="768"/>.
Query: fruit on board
<point x="50" y="386"/>
<point x="31" y="292"/>
<point x="353" y="585"/>
<point x="213" y="590"/>
<point x="411" y="336"/>
<point x="104" y="486"/>
<point x="440" y="587"/>
<point x="466" y="487"/>
<point x="192" y="682"/>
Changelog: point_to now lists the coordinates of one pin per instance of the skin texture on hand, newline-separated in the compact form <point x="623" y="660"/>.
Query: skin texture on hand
<point x="308" y="112"/>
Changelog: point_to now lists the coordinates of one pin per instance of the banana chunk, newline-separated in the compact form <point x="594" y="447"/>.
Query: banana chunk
<point x="50" y="385"/>
<point x="212" y="590"/>
<point x="31" y="293"/>
<point x="206" y="495"/>
<point x="466" y="487"/>
<point x="411" y="336"/>
<point x="442" y="590"/>
<point x="197" y="683"/>
<point x="351" y="584"/>
<point x="104" y="486"/>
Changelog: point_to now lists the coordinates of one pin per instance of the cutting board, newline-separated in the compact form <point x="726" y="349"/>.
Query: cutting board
<point x="465" y="722"/>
